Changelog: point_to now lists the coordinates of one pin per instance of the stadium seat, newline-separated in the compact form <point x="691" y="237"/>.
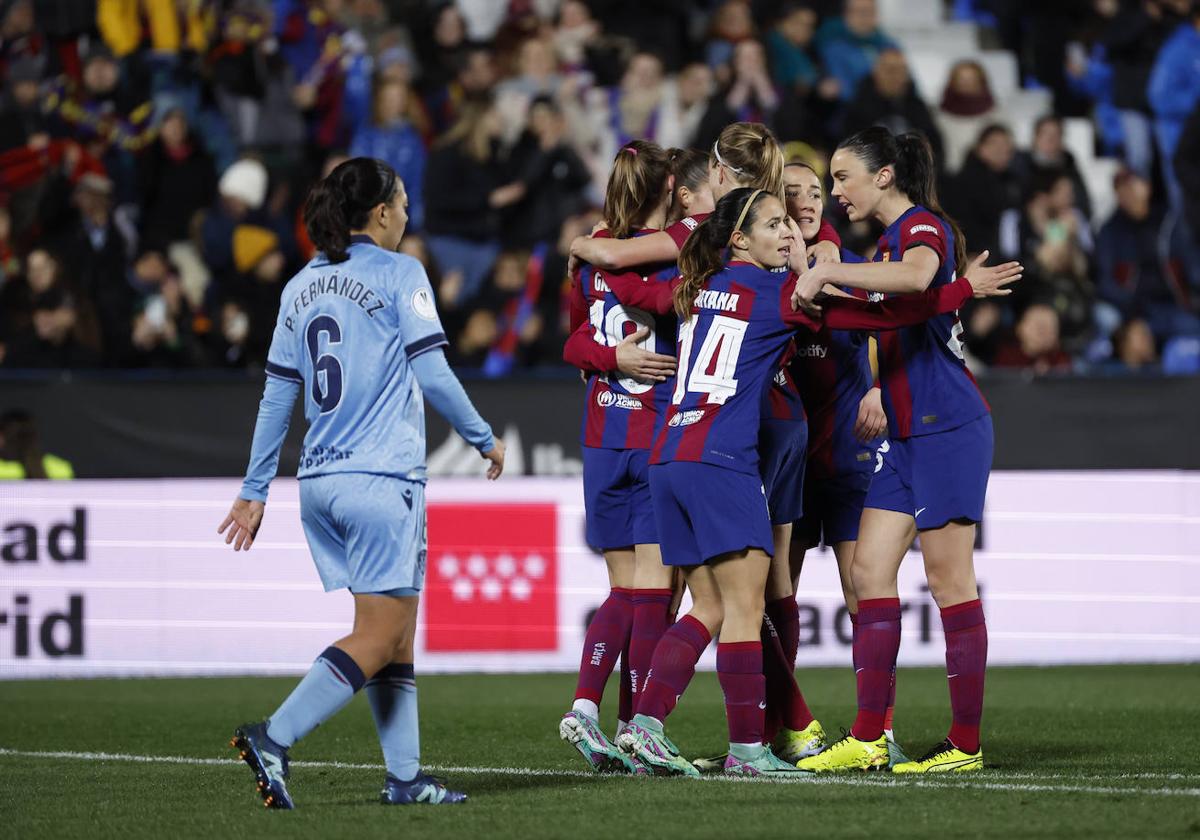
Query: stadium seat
<point x="910" y="14"/>
<point x="1181" y="356"/>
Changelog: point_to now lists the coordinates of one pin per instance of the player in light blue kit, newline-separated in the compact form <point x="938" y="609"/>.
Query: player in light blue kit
<point x="359" y="340"/>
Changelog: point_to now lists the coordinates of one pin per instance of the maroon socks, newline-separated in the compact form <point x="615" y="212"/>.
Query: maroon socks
<point x="966" y="661"/>
<point x="672" y="667"/>
<point x="650" y="621"/>
<point x="876" y="644"/>
<point x="605" y="639"/>
<point x="740" y="672"/>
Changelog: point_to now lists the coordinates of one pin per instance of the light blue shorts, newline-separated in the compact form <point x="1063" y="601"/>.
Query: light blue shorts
<point x="366" y="532"/>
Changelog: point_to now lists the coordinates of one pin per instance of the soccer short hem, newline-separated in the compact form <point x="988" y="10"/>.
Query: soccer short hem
<point x="704" y="511"/>
<point x="618" y="508"/>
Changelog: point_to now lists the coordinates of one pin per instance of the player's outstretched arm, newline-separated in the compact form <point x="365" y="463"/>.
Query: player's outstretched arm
<point x="618" y="254"/>
<point x="445" y="393"/>
<point x="241" y="524"/>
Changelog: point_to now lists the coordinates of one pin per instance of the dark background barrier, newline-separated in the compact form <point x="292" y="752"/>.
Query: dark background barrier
<point x="156" y="426"/>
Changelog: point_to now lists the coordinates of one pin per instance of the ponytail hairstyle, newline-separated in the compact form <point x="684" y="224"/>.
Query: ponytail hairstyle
<point x="635" y="186"/>
<point x="689" y="168"/>
<point x="343" y="200"/>
<point x="911" y="157"/>
<point x="703" y="254"/>
<point x="752" y="155"/>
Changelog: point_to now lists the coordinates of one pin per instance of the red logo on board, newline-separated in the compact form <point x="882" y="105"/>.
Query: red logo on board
<point x="491" y="582"/>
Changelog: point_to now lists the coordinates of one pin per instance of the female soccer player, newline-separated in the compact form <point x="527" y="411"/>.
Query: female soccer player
<point x="931" y="473"/>
<point x="620" y="418"/>
<point x="835" y="375"/>
<point x="736" y="319"/>
<point x="358" y="338"/>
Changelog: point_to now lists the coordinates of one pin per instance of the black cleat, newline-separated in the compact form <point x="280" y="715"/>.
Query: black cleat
<point x="268" y="760"/>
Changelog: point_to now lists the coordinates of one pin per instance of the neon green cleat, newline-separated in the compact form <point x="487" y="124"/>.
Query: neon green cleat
<point x="762" y="762"/>
<point x="848" y="754"/>
<point x="792" y="745"/>
<point x="710" y="765"/>
<point x="644" y="741"/>
<point x="944" y="758"/>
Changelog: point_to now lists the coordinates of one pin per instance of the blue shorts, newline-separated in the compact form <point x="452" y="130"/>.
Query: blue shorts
<point x="366" y="532"/>
<point x="704" y="511"/>
<point x="616" y="498"/>
<point x="782" y="453"/>
<point x="832" y="508"/>
<point x="937" y="478"/>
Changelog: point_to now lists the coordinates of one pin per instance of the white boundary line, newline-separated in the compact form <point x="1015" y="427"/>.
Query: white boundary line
<point x="975" y="783"/>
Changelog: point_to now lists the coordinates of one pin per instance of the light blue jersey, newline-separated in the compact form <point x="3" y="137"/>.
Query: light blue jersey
<point x="347" y="333"/>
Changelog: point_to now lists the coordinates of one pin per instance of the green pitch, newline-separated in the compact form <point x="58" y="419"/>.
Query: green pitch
<point x="1071" y="751"/>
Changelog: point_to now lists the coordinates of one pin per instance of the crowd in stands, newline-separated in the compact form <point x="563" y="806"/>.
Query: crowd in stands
<point x="155" y="154"/>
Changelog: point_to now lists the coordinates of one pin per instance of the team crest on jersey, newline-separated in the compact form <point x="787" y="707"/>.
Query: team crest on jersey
<point x="422" y="304"/>
<point x="689" y="223"/>
<point x="607" y="399"/>
<point x="686" y="418"/>
<point x="927" y="228"/>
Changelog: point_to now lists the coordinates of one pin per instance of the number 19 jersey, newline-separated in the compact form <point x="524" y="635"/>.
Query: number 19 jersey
<point x="347" y="333"/>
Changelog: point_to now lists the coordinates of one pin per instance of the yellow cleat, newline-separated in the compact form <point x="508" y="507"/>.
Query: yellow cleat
<point x="848" y="754"/>
<point x="944" y="758"/>
<point x="792" y="745"/>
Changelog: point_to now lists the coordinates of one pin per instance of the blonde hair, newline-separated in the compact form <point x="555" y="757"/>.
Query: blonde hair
<point x="635" y="185"/>
<point x="468" y="131"/>
<point x="752" y="155"/>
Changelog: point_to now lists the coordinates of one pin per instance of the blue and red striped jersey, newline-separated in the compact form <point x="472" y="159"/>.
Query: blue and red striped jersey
<point x="621" y="413"/>
<point x="833" y="371"/>
<point x="926" y="385"/>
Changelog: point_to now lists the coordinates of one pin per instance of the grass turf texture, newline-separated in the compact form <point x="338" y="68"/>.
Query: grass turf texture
<point x="1100" y="751"/>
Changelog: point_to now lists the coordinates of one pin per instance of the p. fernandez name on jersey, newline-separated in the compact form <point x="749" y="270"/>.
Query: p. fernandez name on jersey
<point x="355" y="291"/>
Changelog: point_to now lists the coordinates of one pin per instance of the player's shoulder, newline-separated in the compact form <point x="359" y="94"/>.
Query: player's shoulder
<point x="922" y="221"/>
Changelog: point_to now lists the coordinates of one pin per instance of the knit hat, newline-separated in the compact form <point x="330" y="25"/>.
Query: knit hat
<point x="245" y="180"/>
<point x="250" y="244"/>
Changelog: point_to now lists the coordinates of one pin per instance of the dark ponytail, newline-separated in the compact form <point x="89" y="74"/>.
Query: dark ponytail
<point x="689" y="168"/>
<point x="911" y="156"/>
<point x="703" y="254"/>
<point x="342" y="202"/>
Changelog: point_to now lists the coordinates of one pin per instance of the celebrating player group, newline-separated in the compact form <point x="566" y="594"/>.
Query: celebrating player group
<point x="716" y="453"/>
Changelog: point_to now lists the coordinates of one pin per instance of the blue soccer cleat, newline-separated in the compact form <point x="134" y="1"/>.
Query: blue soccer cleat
<point x="268" y="760"/>
<point x="423" y="789"/>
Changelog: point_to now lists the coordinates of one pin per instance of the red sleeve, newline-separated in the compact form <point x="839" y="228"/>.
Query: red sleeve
<point x="854" y="314"/>
<point x="924" y="228"/>
<point x="579" y="307"/>
<point x="654" y="296"/>
<point x="828" y="233"/>
<point x="794" y="317"/>
<point x="681" y="230"/>
<point x="583" y="351"/>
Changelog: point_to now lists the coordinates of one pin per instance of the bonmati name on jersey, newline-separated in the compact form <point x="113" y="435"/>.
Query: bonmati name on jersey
<point x="344" y="286"/>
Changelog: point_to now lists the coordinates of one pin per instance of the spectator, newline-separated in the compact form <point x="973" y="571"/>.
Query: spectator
<point x="229" y="344"/>
<point x="464" y="192"/>
<point x="21" y="454"/>
<point x="685" y="102"/>
<point x="967" y="106"/>
<point x="1140" y="274"/>
<point x="1134" y="350"/>
<point x="393" y="139"/>
<point x="887" y="97"/>
<point x="96" y="251"/>
<point x="1173" y="92"/>
<point x="750" y="95"/>
<point x="176" y="179"/>
<point x="850" y="45"/>
<point x="790" y="44"/>
<point x="1187" y="172"/>
<point x="162" y="326"/>
<point x="553" y="175"/>
<point x="55" y="337"/>
<point x="576" y="29"/>
<point x="1049" y="157"/>
<point x="730" y="25"/>
<point x="1034" y="345"/>
<point x="1132" y="38"/>
<point x="986" y="194"/>
<point x="634" y="109"/>
<point x="537" y="75"/>
<point x="22" y="120"/>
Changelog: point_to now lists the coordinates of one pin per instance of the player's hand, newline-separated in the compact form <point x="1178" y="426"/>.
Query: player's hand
<point x="824" y="251"/>
<point x="643" y="365"/>
<point x="990" y="281"/>
<point x="808" y="286"/>
<point x="241" y="523"/>
<point x="496" y="456"/>
<point x="871" y="422"/>
<point x="798" y="256"/>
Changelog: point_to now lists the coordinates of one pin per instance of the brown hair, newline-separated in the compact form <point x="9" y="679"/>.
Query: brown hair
<point x="753" y="156"/>
<point x="689" y="168"/>
<point x="635" y="185"/>
<point x="703" y="254"/>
